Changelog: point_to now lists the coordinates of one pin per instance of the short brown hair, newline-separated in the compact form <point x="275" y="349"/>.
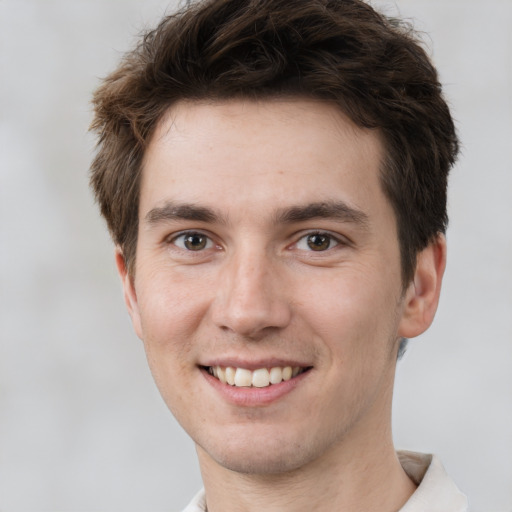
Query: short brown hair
<point x="371" y="67"/>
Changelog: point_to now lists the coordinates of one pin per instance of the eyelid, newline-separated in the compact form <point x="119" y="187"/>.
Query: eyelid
<point x="171" y="239"/>
<point x="339" y="240"/>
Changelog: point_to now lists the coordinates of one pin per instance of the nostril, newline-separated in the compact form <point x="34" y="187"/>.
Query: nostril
<point x="253" y="322"/>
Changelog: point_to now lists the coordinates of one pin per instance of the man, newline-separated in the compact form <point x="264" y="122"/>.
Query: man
<point x="273" y="173"/>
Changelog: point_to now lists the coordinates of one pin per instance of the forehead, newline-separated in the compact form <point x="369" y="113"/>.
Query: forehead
<point x="260" y="154"/>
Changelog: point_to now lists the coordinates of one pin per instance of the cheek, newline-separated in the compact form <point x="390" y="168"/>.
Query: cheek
<point x="355" y="314"/>
<point x="348" y="300"/>
<point x="171" y="308"/>
<point x="171" y="311"/>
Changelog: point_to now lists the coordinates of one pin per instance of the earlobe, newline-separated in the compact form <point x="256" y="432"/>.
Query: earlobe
<point x="130" y="295"/>
<point x="422" y="295"/>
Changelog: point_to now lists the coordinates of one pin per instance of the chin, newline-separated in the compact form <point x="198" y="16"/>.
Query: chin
<point x="267" y="457"/>
<point x="260" y="464"/>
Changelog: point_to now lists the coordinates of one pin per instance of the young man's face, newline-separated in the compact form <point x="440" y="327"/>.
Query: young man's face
<point x="265" y="241"/>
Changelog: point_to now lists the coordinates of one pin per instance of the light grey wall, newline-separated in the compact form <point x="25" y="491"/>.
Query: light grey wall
<point x="82" y="426"/>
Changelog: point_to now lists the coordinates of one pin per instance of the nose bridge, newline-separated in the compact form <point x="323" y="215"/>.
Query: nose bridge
<point x="250" y="298"/>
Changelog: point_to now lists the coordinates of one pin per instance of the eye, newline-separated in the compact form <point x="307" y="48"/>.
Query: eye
<point x="192" y="241"/>
<point x="317" y="242"/>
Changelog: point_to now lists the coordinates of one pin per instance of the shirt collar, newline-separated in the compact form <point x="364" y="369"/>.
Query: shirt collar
<point x="436" y="491"/>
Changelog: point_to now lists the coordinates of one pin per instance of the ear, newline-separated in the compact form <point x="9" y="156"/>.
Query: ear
<point x="422" y="295"/>
<point x="130" y="296"/>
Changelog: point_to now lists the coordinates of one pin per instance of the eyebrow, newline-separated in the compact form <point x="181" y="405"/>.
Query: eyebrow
<point x="180" y="211"/>
<point x="337" y="210"/>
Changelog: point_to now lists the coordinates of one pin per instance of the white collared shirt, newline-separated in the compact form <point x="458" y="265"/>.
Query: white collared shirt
<point x="436" y="491"/>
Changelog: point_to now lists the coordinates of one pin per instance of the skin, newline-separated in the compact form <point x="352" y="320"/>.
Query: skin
<point x="247" y="178"/>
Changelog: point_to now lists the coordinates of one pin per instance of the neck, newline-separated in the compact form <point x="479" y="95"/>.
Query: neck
<point x="359" y="473"/>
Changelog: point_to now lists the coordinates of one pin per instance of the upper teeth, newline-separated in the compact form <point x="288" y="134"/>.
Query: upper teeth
<point x="259" y="378"/>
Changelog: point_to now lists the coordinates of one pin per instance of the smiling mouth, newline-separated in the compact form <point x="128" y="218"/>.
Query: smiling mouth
<point x="259" y="378"/>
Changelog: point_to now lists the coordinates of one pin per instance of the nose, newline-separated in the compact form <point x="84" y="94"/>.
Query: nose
<point x="251" y="296"/>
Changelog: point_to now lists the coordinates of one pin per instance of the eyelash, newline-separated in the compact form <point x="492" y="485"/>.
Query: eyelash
<point x="209" y="243"/>
<point x="208" y="240"/>
<point x="329" y="236"/>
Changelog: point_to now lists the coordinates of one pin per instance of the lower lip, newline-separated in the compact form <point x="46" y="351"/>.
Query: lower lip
<point x="252" y="396"/>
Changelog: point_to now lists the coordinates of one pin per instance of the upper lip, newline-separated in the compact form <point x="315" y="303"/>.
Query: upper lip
<point x="224" y="362"/>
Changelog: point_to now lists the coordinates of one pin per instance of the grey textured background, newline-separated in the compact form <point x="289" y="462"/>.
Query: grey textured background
<point x="82" y="426"/>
